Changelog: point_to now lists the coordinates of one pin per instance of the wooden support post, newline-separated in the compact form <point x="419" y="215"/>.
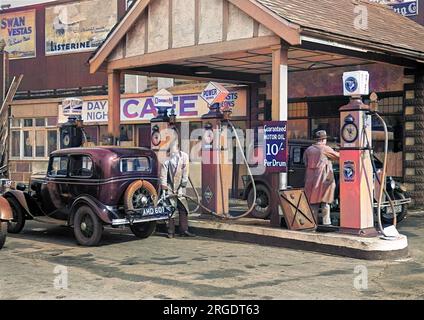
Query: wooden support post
<point x="279" y="113"/>
<point x="280" y="92"/>
<point x="114" y="98"/>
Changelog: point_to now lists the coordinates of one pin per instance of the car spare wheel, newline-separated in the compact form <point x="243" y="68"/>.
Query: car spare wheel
<point x="140" y="194"/>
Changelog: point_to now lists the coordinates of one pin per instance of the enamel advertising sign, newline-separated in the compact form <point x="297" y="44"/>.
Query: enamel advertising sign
<point x="79" y="26"/>
<point x="276" y="151"/>
<point x="214" y="93"/>
<point x="406" y="8"/>
<point x="18" y="30"/>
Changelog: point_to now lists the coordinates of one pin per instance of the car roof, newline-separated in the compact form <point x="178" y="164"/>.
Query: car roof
<point x="105" y="151"/>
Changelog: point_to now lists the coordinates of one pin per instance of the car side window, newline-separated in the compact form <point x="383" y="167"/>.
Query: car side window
<point x="138" y="164"/>
<point x="58" y="167"/>
<point x="297" y="155"/>
<point x="81" y="166"/>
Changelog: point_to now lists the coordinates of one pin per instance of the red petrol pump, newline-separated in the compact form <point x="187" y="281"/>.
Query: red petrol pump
<point x="356" y="170"/>
<point x="215" y="169"/>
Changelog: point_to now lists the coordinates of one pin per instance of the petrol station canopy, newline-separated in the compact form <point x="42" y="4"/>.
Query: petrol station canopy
<point x="245" y="41"/>
<point x="232" y="39"/>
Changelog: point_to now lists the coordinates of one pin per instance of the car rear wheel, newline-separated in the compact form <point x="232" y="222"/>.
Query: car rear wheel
<point x="143" y="230"/>
<point x="3" y="233"/>
<point x="18" y="223"/>
<point x="87" y="227"/>
<point x="263" y="201"/>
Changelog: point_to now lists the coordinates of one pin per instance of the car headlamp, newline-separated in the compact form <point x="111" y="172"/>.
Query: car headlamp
<point x="392" y="184"/>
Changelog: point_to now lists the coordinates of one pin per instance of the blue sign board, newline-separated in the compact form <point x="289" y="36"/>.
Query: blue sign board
<point x="276" y="151"/>
<point x="407" y="8"/>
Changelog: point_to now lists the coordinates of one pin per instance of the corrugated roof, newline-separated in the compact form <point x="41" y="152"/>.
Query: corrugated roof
<point x="338" y="16"/>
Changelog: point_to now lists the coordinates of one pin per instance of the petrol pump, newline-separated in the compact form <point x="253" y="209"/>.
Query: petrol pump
<point x="216" y="169"/>
<point x="163" y="124"/>
<point x="72" y="133"/>
<point x="356" y="171"/>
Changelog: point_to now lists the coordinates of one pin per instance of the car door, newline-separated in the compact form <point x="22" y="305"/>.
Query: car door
<point x="81" y="176"/>
<point x="55" y="188"/>
<point x="297" y="167"/>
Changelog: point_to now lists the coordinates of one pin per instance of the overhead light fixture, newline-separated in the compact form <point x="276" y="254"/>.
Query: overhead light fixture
<point x="202" y="71"/>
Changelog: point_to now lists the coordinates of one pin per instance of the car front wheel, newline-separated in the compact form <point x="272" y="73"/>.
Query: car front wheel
<point x="87" y="227"/>
<point x="143" y="230"/>
<point x="17" y="224"/>
<point x="3" y="233"/>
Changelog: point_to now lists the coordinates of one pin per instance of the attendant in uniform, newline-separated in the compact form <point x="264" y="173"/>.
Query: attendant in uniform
<point x="319" y="179"/>
<point x="174" y="179"/>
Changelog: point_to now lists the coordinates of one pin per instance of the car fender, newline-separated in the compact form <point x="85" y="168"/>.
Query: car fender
<point x="99" y="209"/>
<point x="6" y="213"/>
<point x="20" y="197"/>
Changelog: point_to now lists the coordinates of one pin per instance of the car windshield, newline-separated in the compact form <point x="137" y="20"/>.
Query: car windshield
<point x="138" y="164"/>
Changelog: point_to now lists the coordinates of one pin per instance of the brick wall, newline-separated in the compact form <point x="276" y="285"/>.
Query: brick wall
<point x="414" y="136"/>
<point x="21" y="170"/>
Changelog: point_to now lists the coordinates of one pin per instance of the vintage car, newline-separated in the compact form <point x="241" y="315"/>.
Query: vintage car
<point x="5" y="211"/>
<point x="89" y="188"/>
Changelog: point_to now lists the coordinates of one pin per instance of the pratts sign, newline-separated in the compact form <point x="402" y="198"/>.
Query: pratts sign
<point x="214" y="93"/>
<point x="143" y="109"/>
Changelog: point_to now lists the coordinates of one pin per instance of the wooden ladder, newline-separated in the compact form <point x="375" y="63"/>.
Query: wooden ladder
<point x="4" y="122"/>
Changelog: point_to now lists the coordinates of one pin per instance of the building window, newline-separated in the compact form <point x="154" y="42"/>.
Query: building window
<point x="298" y="124"/>
<point x="298" y="110"/>
<point x="16" y="144"/>
<point x="33" y="138"/>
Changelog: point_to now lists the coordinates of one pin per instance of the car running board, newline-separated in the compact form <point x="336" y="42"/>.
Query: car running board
<point x="49" y="220"/>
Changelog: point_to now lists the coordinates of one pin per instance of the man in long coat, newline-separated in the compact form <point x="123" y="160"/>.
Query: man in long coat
<point x="319" y="179"/>
<point x="174" y="179"/>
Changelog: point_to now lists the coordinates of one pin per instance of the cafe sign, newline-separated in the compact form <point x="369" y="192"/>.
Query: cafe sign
<point x="143" y="109"/>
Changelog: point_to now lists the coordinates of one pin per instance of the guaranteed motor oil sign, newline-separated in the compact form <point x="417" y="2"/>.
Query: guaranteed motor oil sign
<point x="18" y="30"/>
<point x="275" y="134"/>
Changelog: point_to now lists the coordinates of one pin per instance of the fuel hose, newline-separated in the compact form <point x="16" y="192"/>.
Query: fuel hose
<point x="382" y="189"/>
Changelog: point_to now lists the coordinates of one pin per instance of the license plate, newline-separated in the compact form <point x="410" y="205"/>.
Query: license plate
<point x="155" y="211"/>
